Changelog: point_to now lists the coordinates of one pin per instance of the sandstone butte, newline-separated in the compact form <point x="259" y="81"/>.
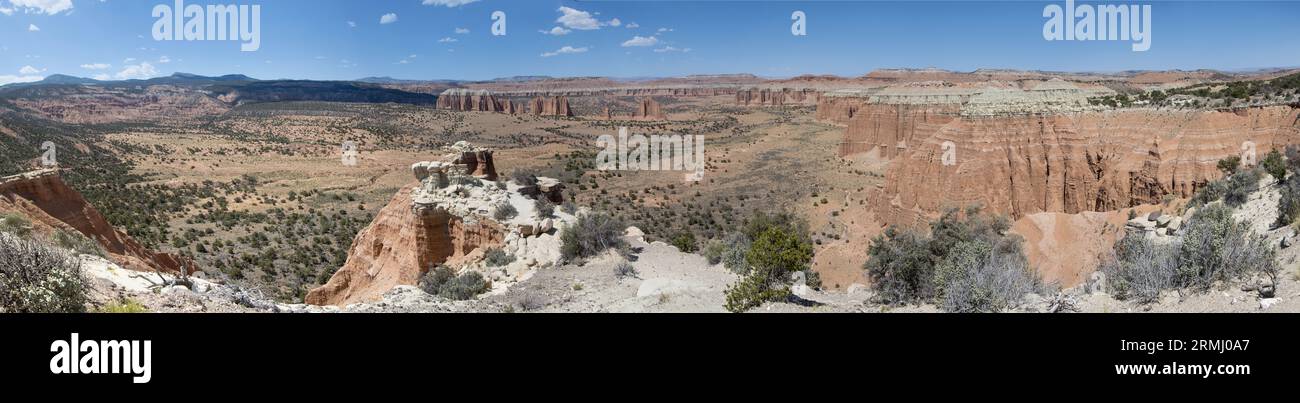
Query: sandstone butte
<point x="648" y="109"/>
<point x="440" y="221"/>
<point x="776" y="96"/>
<point x="51" y="205"/>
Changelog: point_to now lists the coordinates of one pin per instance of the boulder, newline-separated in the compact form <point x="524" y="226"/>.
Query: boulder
<point x="1163" y="221"/>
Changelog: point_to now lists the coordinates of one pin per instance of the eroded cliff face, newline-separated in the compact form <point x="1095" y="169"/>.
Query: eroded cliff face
<point x="52" y="205"/>
<point x="550" y="106"/>
<point x="1075" y="162"/>
<point x="401" y="244"/>
<point x="448" y="219"/>
<point x="459" y="99"/>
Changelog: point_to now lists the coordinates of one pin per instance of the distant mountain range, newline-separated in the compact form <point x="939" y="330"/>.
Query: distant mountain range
<point x="237" y="88"/>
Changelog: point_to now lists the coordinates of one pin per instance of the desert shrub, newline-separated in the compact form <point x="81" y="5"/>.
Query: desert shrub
<point x="967" y="264"/>
<point x="592" y="234"/>
<point x="15" y="224"/>
<point x="900" y="267"/>
<point x="1138" y="269"/>
<point x="624" y="269"/>
<point x="761" y="222"/>
<point x="35" y="277"/>
<point x="685" y="242"/>
<point x="77" y="242"/>
<point x="524" y="177"/>
<point x="465" y="286"/>
<point x="496" y="257"/>
<point x="124" y="306"/>
<point x="1274" y="165"/>
<point x="976" y="276"/>
<point x="774" y="256"/>
<point x="1210" y="193"/>
<point x="443" y="282"/>
<point x="1288" y="208"/>
<point x="501" y="185"/>
<point x="504" y="211"/>
<point x="1216" y="247"/>
<point x="569" y="208"/>
<point x="1229" y="164"/>
<point x="735" y="245"/>
<point x="545" y="209"/>
<point x="1240" y="186"/>
<point x="713" y="250"/>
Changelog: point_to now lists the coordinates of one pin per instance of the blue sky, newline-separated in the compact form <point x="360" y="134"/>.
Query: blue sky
<point x="345" y="39"/>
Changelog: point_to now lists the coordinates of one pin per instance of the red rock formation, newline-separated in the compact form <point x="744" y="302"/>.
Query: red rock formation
<point x="460" y="99"/>
<point x="1092" y="161"/>
<point x="890" y="128"/>
<point x="775" y="97"/>
<point x="51" y="205"/>
<point x="550" y="106"/>
<point x="400" y="245"/>
<point x="649" y="109"/>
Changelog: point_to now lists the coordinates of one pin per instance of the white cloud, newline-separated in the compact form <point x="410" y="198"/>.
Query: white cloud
<point x="557" y="31"/>
<point x="6" y="11"/>
<point x="50" y="7"/>
<point x="641" y="41"/>
<point x="665" y="30"/>
<point x="352" y="24"/>
<point x="462" y="31"/>
<point x="96" y="66"/>
<point x="33" y="28"/>
<point x="6" y="80"/>
<point x="632" y="25"/>
<point x="448" y="3"/>
<point x="388" y="18"/>
<point x="447" y="40"/>
<point x="29" y="70"/>
<point x="137" y="71"/>
<point x="614" y="22"/>
<point x="128" y="60"/>
<point x="565" y="50"/>
<point x="577" y="19"/>
<point x="667" y="49"/>
<point x="164" y="59"/>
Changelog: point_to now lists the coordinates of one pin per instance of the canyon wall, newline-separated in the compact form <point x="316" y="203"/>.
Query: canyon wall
<point x="51" y="205"/>
<point x="1073" y="162"/>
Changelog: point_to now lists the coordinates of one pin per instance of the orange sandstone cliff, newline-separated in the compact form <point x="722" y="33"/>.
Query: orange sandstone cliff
<point x="52" y="205"/>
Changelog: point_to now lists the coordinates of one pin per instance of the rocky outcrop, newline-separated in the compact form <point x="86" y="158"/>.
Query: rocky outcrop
<point x="550" y="106"/>
<point x="1076" y="162"/>
<point x="477" y="161"/>
<point x="52" y="205"/>
<point x="446" y="219"/>
<point x="649" y="109"/>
